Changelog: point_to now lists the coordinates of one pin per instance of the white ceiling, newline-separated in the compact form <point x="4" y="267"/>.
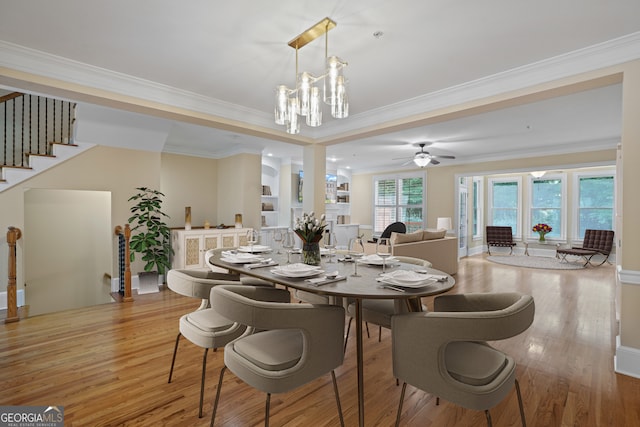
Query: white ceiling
<point x="225" y="59"/>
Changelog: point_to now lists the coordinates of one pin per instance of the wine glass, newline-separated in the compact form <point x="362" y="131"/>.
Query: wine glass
<point x="383" y="250"/>
<point x="356" y="251"/>
<point x="330" y="242"/>
<point x="288" y="243"/>
<point x="252" y="239"/>
<point x="277" y="237"/>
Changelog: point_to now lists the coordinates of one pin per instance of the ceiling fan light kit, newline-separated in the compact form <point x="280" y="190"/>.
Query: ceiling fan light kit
<point x="304" y="100"/>
<point x="423" y="158"/>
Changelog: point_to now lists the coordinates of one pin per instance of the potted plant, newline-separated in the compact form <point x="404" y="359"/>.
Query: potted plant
<point x="150" y="235"/>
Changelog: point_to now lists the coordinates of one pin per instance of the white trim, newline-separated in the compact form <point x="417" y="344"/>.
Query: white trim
<point x="629" y="277"/>
<point x="626" y="360"/>
<point x="19" y="299"/>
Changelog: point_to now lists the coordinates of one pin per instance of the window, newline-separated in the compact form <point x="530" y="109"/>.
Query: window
<point x="398" y="198"/>
<point x="547" y="203"/>
<point x="478" y="207"/>
<point x="505" y="203"/>
<point x="595" y="202"/>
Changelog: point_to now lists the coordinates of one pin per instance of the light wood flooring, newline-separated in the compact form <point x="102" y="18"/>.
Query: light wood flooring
<point x="108" y="364"/>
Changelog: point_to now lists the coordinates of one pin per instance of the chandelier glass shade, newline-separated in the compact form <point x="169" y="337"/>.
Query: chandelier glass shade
<point x="305" y="99"/>
<point x="422" y="160"/>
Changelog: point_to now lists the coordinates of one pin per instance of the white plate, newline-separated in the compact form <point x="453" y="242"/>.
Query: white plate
<point x="240" y="258"/>
<point x="298" y="267"/>
<point x="405" y="276"/>
<point x="255" y="249"/>
<point x="412" y="285"/>
<point x="376" y="260"/>
<point x="296" y="275"/>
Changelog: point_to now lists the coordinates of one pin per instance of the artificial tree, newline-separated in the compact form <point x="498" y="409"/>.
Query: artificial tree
<point x="150" y="235"/>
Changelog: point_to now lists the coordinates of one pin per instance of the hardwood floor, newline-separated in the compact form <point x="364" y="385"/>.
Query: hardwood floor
<point x="108" y="364"/>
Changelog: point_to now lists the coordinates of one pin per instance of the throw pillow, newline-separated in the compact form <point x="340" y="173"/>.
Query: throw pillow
<point x="430" y="235"/>
<point x="397" y="238"/>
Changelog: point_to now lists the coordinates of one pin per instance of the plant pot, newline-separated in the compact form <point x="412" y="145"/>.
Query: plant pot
<point x="311" y="253"/>
<point x="148" y="282"/>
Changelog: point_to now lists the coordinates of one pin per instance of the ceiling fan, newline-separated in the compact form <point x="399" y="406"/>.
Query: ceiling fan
<point x="423" y="158"/>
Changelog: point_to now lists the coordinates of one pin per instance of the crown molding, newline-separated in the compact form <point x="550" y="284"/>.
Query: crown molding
<point x="602" y="55"/>
<point x="592" y="58"/>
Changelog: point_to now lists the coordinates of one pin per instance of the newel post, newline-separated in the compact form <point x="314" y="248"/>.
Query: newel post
<point x="13" y="235"/>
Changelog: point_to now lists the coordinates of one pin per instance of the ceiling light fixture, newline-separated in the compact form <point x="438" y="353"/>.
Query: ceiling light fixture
<point x="422" y="159"/>
<point x="304" y="100"/>
<point x="538" y="174"/>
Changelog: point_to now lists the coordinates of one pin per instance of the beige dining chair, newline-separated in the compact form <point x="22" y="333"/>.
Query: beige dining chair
<point x="379" y="311"/>
<point x="297" y="343"/>
<point x="204" y="327"/>
<point x="445" y="352"/>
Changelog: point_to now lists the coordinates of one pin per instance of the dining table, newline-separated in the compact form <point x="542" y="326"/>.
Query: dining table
<point x="269" y="264"/>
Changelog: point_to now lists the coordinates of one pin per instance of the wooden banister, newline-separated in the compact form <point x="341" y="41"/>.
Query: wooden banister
<point x="13" y="235"/>
<point x="126" y="232"/>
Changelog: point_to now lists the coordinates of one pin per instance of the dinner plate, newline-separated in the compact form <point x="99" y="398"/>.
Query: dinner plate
<point x="239" y="258"/>
<point x="405" y="276"/>
<point x="297" y="270"/>
<point x="376" y="260"/>
<point x="413" y="285"/>
<point x="254" y="249"/>
<point x="296" y="274"/>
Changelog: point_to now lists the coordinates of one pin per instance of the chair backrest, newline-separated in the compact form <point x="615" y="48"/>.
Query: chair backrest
<point x="598" y="240"/>
<point x="198" y="283"/>
<point x="420" y="340"/>
<point x="499" y="234"/>
<point x="397" y="227"/>
<point x="321" y="326"/>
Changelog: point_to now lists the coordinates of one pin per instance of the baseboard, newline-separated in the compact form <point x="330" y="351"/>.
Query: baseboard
<point x="19" y="299"/>
<point x="115" y="283"/>
<point x="627" y="360"/>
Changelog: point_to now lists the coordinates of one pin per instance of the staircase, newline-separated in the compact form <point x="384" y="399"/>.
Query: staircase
<point x="36" y="133"/>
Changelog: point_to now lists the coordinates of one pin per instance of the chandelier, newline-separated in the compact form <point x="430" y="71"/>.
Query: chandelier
<point x="305" y="100"/>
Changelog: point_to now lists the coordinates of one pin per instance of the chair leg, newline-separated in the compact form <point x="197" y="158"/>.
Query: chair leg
<point x="346" y="338"/>
<point x="404" y="388"/>
<point x="524" y="421"/>
<point x="173" y="360"/>
<point x="367" y="326"/>
<point x="266" y="410"/>
<point x="215" y="403"/>
<point x="204" y="372"/>
<point x="379" y="333"/>
<point x="488" y="415"/>
<point x="335" y="390"/>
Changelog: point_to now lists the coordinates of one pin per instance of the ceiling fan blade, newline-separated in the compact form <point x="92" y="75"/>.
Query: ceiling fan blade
<point x="434" y="161"/>
<point x="403" y="158"/>
<point x="443" y="157"/>
<point x="408" y="162"/>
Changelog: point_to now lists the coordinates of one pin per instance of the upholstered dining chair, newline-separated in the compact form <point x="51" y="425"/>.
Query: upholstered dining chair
<point x="203" y="327"/>
<point x="379" y="311"/>
<point x="296" y="343"/>
<point x="444" y="352"/>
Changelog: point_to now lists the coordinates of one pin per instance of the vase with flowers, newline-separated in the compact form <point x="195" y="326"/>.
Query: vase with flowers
<point x="542" y="230"/>
<point x="310" y="230"/>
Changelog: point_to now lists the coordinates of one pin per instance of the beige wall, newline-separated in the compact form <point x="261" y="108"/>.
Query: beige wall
<point x="239" y="184"/>
<point x="190" y="181"/>
<point x="100" y="168"/>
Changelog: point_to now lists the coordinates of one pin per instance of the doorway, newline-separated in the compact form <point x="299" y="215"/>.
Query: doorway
<point x="67" y="249"/>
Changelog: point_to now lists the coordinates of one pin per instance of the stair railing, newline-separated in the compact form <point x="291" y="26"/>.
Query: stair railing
<point x="30" y="125"/>
<point x="13" y="235"/>
<point x="124" y="263"/>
